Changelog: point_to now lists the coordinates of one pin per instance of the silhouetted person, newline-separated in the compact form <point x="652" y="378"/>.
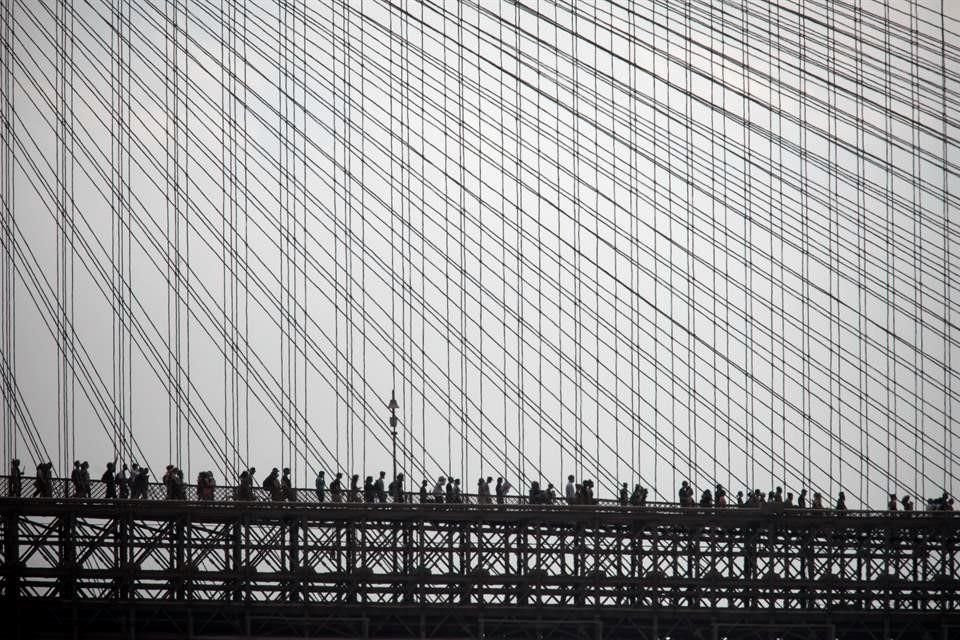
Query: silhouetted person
<point x="685" y="494"/>
<point x="789" y="501"/>
<point x="396" y="488"/>
<point x="272" y="484"/>
<point x="588" y="492"/>
<point x="369" y="490"/>
<point x="109" y="479"/>
<point x="481" y="498"/>
<point x="457" y="496"/>
<point x="245" y="489"/>
<point x="75" y="480"/>
<point x="570" y="491"/>
<point x="802" y="499"/>
<point x="635" y="496"/>
<point x="43" y="484"/>
<point x="499" y="490"/>
<point x="423" y="492"/>
<point x="141" y="483"/>
<point x="892" y="502"/>
<point x="720" y="496"/>
<point x="321" y="487"/>
<point x="506" y="488"/>
<point x="85" y="478"/>
<point x="624" y="495"/>
<point x="778" y="496"/>
<point x="380" y="487"/>
<point x="167" y="481"/>
<point x="178" y="488"/>
<point x="286" y="486"/>
<point x="841" y="502"/>
<point x="123" y="482"/>
<point x="907" y="503"/>
<point x="817" y="501"/>
<point x="643" y="496"/>
<point x="16" y="479"/>
<point x="938" y="504"/>
<point x="551" y="495"/>
<point x="534" y="496"/>
<point x="206" y="485"/>
<point x="438" y="489"/>
<point x="134" y="472"/>
<point x="354" y="488"/>
<point x="739" y="498"/>
<point x="706" y="498"/>
<point x="449" y="489"/>
<point x="336" y="488"/>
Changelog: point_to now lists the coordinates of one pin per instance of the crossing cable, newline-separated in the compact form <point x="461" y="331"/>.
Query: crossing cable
<point x="462" y="334"/>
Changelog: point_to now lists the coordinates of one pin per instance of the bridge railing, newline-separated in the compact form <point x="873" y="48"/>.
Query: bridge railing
<point x="62" y="488"/>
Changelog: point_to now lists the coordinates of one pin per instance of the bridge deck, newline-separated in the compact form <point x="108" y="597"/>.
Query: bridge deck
<point x="388" y="566"/>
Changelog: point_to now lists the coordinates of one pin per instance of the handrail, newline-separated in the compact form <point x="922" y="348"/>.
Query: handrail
<point x="62" y="489"/>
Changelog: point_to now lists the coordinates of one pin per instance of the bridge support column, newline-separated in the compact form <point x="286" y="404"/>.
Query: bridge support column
<point x="179" y="559"/>
<point x="466" y="586"/>
<point x="123" y="529"/>
<point x="295" y="583"/>
<point x="234" y="559"/>
<point x="131" y="624"/>
<point x="68" y="556"/>
<point x="11" y="555"/>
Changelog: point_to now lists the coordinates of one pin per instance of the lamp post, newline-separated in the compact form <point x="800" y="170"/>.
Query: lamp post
<point x="393" y="406"/>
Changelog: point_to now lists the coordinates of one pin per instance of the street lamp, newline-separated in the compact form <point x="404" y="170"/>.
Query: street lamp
<point x="393" y="406"/>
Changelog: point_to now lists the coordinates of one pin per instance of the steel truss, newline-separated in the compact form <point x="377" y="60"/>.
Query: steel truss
<point x="289" y="569"/>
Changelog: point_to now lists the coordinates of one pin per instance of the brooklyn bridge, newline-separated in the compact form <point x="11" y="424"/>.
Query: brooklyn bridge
<point x="678" y="274"/>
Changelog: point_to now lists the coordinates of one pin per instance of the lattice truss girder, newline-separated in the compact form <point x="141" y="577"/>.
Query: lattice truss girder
<point x="807" y="563"/>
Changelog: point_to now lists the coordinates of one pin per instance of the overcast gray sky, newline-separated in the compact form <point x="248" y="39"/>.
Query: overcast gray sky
<point x="637" y="241"/>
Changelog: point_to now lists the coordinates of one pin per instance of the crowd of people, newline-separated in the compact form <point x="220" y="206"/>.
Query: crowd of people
<point x="133" y="482"/>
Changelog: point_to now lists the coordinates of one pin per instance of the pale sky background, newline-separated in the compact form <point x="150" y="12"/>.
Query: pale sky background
<point x="634" y="241"/>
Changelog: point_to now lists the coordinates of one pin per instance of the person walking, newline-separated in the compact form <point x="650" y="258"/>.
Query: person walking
<point x="109" y="479"/>
<point x="320" y="486"/>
